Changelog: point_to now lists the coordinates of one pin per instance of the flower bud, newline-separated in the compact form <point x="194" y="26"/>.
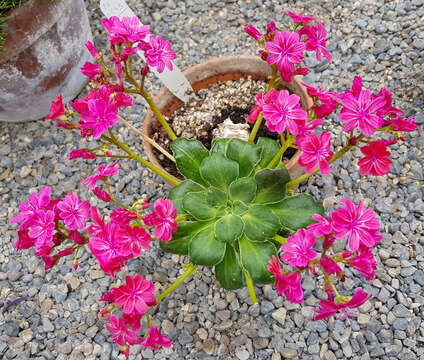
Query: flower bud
<point x="253" y="32"/>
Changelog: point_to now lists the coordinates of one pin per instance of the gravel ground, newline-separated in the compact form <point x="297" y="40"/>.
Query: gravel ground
<point x="383" y="41"/>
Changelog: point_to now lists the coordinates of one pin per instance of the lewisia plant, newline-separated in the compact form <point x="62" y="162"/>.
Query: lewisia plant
<point x="236" y="209"/>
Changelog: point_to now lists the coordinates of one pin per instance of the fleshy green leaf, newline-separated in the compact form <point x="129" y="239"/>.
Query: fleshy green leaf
<point x="296" y="212"/>
<point x="229" y="272"/>
<point x="216" y="197"/>
<point x="229" y="228"/>
<point x="196" y="204"/>
<point x="239" y="207"/>
<point x="219" y="146"/>
<point x="270" y="148"/>
<point x="219" y="171"/>
<point x="260" y="223"/>
<point x="271" y="185"/>
<point x="243" y="189"/>
<point x="181" y="238"/>
<point x="178" y="192"/>
<point x="188" y="154"/>
<point x="254" y="258"/>
<point x="205" y="249"/>
<point x="247" y="155"/>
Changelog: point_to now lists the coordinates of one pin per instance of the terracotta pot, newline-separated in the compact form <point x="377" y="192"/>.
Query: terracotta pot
<point x="213" y="71"/>
<point x="43" y="52"/>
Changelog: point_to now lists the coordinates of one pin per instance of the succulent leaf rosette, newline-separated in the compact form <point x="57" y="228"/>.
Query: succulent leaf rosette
<point x="236" y="209"/>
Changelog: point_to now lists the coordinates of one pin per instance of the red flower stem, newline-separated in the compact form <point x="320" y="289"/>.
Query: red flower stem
<point x="250" y="287"/>
<point x="177" y="283"/>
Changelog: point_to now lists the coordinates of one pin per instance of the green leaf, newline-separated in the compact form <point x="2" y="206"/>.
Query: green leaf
<point x="178" y="192"/>
<point x="239" y="207"/>
<point x="229" y="228"/>
<point x="216" y="197"/>
<point x="219" y="171"/>
<point x="247" y="155"/>
<point x="181" y="238"/>
<point x="196" y="204"/>
<point x="205" y="249"/>
<point x="296" y="212"/>
<point x="254" y="258"/>
<point x="229" y="272"/>
<point x="271" y="185"/>
<point x="219" y="146"/>
<point x="260" y="223"/>
<point x="243" y="189"/>
<point x="270" y="148"/>
<point x="188" y="156"/>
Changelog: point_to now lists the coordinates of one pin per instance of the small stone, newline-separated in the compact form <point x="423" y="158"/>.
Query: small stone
<point x="25" y="171"/>
<point x="47" y="325"/>
<point x="400" y="324"/>
<point x="242" y="354"/>
<point x="288" y="353"/>
<point x="401" y="311"/>
<point x="96" y="274"/>
<point x="208" y="346"/>
<point x="26" y="335"/>
<point x="202" y="333"/>
<point x="11" y="329"/>
<point x="64" y="348"/>
<point x="74" y="282"/>
<point x="92" y="331"/>
<point x="363" y="319"/>
<point x="225" y="325"/>
<point x="392" y="262"/>
<point x="280" y="315"/>
<point x="97" y="350"/>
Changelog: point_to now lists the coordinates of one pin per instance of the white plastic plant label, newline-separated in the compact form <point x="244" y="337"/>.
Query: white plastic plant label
<point x="174" y="80"/>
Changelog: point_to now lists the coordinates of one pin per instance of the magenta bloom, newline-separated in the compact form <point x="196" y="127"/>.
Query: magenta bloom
<point x="321" y="227"/>
<point x="98" y="228"/>
<point x="292" y="287"/>
<point x="57" y="108"/>
<point x="306" y="128"/>
<point x="376" y="161"/>
<point x="285" y="50"/>
<point x="253" y="32"/>
<point x="42" y="228"/>
<point x="330" y="266"/>
<point x="121" y="334"/>
<point x="125" y="30"/>
<point x="361" y="112"/>
<point x="348" y="309"/>
<point x="260" y="102"/>
<point x="136" y="239"/>
<point x="136" y="295"/>
<point x="274" y="268"/>
<point x="160" y="53"/>
<point x="29" y="209"/>
<point x="90" y="70"/>
<point x="74" y="212"/>
<point x="387" y="109"/>
<point x="122" y="216"/>
<point x="163" y="218"/>
<point x="298" y="18"/>
<point x="92" y="49"/>
<point x="316" y="40"/>
<point x="365" y="264"/>
<point x="81" y="153"/>
<point x="102" y="195"/>
<point x="284" y="113"/>
<point x="103" y="171"/>
<point x="99" y="117"/>
<point x="297" y="251"/>
<point x="399" y="123"/>
<point x="24" y="241"/>
<point x="356" y="223"/>
<point x="316" y="152"/>
<point x="325" y="109"/>
<point x="323" y="95"/>
<point x="155" y="339"/>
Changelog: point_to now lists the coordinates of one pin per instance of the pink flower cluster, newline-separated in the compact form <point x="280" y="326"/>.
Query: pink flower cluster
<point x="359" y="226"/>
<point x="134" y="297"/>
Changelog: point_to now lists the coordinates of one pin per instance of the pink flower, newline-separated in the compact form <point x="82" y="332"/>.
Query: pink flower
<point x="98" y="228"/>
<point x="81" y="153"/>
<point x="356" y="223"/>
<point x="135" y="296"/>
<point x="76" y="237"/>
<point x="306" y="128"/>
<point x="57" y="108"/>
<point x="29" y="209"/>
<point x="90" y="70"/>
<point x="163" y="218"/>
<point x="376" y="161"/>
<point x="325" y="109"/>
<point x="122" y="216"/>
<point x="121" y="334"/>
<point x="348" y="309"/>
<point x="316" y="152"/>
<point x="125" y="30"/>
<point x="136" y="238"/>
<point x="361" y="111"/>
<point x="122" y="99"/>
<point x="260" y="102"/>
<point x="42" y="228"/>
<point x="99" y="117"/>
<point x="292" y="287"/>
<point x="284" y="113"/>
<point x="24" y="241"/>
<point x="330" y="266"/>
<point x="274" y="268"/>
<point x="316" y="40"/>
<point x="160" y="53"/>
<point x="321" y="227"/>
<point x="253" y="32"/>
<point x="92" y="49"/>
<point x="103" y="171"/>
<point x="323" y="95"/>
<point x="155" y="339"/>
<point x="74" y="212"/>
<point x="365" y="264"/>
<point x="102" y="195"/>
<point x="399" y="123"/>
<point x="298" y="18"/>
<point x="285" y="50"/>
<point x="387" y="109"/>
<point x="297" y="251"/>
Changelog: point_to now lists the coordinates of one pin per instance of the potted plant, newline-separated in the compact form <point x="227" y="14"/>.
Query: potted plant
<point x="42" y="45"/>
<point x="236" y="209"/>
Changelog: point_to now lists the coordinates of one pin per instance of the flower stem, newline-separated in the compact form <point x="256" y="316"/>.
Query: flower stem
<point x="280" y="239"/>
<point x="251" y="288"/>
<point x="177" y="283"/>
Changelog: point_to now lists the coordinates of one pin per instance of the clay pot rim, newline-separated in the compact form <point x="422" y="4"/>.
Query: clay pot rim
<point x="292" y="165"/>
